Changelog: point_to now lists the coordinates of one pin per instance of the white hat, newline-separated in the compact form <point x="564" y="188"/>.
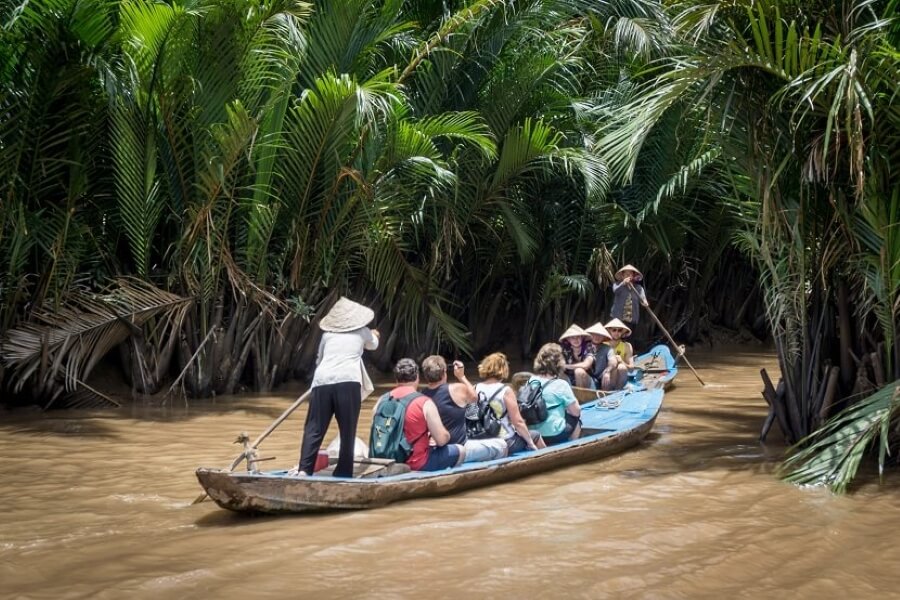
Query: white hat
<point x="598" y="329"/>
<point x="574" y="331"/>
<point x="620" y="274"/>
<point x="617" y="324"/>
<point x="346" y="315"/>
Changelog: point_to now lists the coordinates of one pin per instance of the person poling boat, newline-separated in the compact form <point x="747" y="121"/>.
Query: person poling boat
<point x="339" y="384"/>
<point x="628" y="296"/>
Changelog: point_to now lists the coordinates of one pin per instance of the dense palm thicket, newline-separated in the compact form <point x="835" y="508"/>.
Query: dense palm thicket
<point x="791" y="108"/>
<point x="189" y="183"/>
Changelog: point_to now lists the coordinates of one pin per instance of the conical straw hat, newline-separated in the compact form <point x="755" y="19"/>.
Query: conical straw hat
<point x="598" y="329"/>
<point x="574" y="331"/>
<point x="617" y="324"/>
<point x="346" y="315"/>
<point x="620" y="274"/>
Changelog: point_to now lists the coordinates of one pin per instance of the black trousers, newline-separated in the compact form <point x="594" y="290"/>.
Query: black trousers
<point x="342" y="400"/>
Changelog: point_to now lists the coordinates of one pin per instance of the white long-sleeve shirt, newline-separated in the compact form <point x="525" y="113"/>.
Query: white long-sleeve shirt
<point x="340" y="358"/>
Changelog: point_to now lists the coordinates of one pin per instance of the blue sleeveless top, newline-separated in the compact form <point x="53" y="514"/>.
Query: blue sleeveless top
<point x="453" y="416"/>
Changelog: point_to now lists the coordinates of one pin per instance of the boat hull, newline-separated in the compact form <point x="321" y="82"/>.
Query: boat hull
<point x="609" y="432"/>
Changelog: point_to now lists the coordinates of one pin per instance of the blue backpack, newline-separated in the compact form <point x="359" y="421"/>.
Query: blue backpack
<point x="387" y="439"/>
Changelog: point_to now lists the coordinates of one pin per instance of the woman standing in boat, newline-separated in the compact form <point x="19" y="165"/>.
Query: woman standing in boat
<point x="339" y="383"/>
<point x="628" y="296"/>
<point x="563" y="422"/>
<point x="494" y="370"/>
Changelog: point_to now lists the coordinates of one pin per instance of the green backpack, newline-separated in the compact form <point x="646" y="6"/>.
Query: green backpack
<point x="387" y="439"/>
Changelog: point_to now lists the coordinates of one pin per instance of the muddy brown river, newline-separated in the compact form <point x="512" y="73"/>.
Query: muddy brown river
<point x="98" y="505"/>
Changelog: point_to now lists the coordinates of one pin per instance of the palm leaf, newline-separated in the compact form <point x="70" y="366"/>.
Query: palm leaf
<point x="60" y="348"/>
<point x="832" y="455"/>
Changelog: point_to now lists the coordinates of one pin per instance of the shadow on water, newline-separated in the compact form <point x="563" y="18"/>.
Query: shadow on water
<point x="230" y="519"/>
<point x="63" y="421"/>
<point x="68" y="423"/>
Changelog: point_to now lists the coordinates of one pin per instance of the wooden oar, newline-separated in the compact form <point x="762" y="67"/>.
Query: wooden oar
<point x="262" y="437"/>
<point x="671" y="341"/>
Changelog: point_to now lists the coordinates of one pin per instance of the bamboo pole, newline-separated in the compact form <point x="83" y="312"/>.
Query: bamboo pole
<point x="262" y="436"/>
<point x="669" y="336"/>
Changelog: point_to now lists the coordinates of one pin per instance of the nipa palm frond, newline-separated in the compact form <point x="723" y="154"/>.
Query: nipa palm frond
<point x="61" y="347"/>
<point x="834" y="456"/>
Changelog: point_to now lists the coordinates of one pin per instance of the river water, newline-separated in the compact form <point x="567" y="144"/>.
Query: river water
<point x="98" y="505"/>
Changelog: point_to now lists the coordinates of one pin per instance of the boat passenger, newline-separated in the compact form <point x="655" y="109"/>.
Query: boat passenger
<point x="563" y="422"/>
<point x="339" y="384"/>
<point x="624" y="353"/>
<point x="451" y="400"/>
<point x="422" y="425"/>
<point x="628" y="296"/>
<point x="494" y="370"/>
<point x="604" y="372"/>
<point x="578" y="352"/>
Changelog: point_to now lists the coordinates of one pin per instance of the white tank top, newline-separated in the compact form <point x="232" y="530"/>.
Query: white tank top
<point x="498" y="405"/>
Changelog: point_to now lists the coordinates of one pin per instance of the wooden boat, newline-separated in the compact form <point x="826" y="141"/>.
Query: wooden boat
<point x="611" y="425"/>
<point x="655" y="369"/>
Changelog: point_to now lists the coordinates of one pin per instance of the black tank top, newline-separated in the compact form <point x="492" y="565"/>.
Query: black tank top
<point x="453" y="416"/>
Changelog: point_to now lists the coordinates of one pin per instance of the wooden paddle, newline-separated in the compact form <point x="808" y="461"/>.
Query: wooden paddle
<point x="262" y="437"/>
<point x="677" y="348"/>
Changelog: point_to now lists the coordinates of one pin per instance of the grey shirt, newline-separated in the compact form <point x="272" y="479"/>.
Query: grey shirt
<point x="626" y="304"/>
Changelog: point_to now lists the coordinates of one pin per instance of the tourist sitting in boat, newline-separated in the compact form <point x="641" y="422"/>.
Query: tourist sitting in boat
<point x="451" y="400"/>
<point x="422" y="425"/>
<point x="563" y="422"/>
<point x="494" y="370"/>
<point x="579" y="356"/>
<point x="624" y="353"/>
<point x="604" y="373"/>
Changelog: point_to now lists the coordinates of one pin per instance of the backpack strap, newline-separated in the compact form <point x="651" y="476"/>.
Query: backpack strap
<point x="494" y="395"/>
<point x="406" y="401"/>
<point x="500" y="389"/>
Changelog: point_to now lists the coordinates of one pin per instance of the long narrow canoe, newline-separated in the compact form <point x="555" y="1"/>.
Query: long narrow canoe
<point x="606" y="431"/>
<point x="655" y="369"/>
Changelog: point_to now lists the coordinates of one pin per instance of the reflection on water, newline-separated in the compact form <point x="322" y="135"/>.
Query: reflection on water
<point x="98" y="505"/>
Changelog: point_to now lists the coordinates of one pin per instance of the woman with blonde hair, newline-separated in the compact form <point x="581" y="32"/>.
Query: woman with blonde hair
<point x="494" y="370"/>
<point x="563" y="422"/>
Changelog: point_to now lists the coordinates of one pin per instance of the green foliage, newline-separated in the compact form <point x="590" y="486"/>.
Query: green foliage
<point x="833" y="454"/>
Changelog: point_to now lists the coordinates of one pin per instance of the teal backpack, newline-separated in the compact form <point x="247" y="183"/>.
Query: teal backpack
<point x="387" y="439"/>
